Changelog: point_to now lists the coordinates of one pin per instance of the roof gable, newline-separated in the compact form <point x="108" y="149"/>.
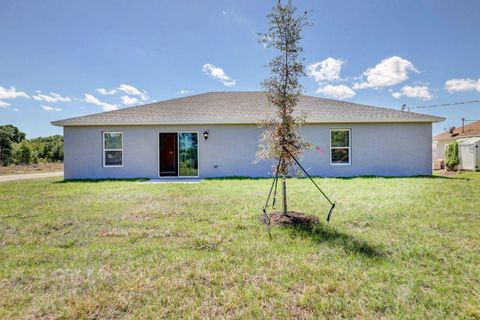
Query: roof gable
<point x="241" y="108"/>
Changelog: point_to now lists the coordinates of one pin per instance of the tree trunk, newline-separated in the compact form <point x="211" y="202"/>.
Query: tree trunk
<point x="284" y="191"/>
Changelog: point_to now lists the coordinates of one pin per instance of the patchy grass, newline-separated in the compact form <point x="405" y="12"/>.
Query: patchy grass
<point x="396" y="248"/>
<point x="33" y="168"/>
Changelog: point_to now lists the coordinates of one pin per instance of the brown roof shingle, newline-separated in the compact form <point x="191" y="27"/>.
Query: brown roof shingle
<point x="470" y="130"/>
<point x="241" y="108"/>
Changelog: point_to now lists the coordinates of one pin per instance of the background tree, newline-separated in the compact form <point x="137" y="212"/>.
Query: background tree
<point x="5" y="148"/>
<point x="283" y="89"/>
<point x="15" y="135"/>
<point x="9" y="135"/>
<point x="48" y="149"/>
<point x="14" y="148"/>
<point x="23" y="153"/>
<point x="56" y="154"/>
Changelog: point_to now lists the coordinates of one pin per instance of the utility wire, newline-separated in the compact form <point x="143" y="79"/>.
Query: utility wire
<point x="446" y="104"/>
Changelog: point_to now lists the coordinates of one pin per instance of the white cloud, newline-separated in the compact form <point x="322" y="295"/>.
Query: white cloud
<point x="421" y="92"/>
<point x="52" y="98"/>
<point x="105" y="106"/>
<point x="218" y="73"/>
<point x="458" y="85"/>
<point x="4" y="104"/>
<point x="338" y="92"/>
<point x="326" y="70"/>
<point x="388" y="72"/>
<point x="183" y="91"/>
<point x="126" y="100"/>
<point x="131" y="90"/>
<point x="106" y="92"/>
<point x="15" y="109"/>
<point x="11" y="93"/>
<point x="48" y="108"/>
<point x="397" y="95"/>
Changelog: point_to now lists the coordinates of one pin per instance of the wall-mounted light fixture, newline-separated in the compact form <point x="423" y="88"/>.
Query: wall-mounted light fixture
<point x="205" y="135"/>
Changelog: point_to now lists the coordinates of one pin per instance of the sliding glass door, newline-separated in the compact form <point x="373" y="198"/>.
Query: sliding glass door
<point x="188" y="154"/>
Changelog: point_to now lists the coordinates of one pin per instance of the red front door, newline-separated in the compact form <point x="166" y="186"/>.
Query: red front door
<point x="168" y="154"/>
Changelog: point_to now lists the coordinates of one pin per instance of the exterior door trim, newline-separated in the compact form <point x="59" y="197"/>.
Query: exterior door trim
<point x="178" y="154"/>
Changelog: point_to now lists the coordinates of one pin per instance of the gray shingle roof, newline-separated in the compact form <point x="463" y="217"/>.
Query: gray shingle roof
<point x="240" y="108"/>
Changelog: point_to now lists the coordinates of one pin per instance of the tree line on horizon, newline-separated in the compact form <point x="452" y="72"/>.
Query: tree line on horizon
<point x="16" y="149"/>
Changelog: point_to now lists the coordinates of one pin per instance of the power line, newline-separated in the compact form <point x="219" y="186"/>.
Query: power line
<point x="445" y="104"/>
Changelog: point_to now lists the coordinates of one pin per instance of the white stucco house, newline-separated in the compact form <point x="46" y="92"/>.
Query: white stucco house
<point x="216" y="134"/>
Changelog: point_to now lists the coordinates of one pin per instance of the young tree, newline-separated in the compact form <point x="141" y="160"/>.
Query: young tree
<point x="281" y="139"/>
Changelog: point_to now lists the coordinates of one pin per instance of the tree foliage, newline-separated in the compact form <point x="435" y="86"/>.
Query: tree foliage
<point x="283" y="89"/>
<point x="5" y="148"/>
<point x="14" y="134"/>
<point x="15" y="149"/>
<point x="49" y="148"/>
<point x="9" y="135"/>
<point x="23" y="153"/>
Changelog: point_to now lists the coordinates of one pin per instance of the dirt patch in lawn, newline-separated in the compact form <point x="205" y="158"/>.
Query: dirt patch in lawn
<point x="292" y="218"/>
<point x="33" y="168"/>
<point x="446" y="173"/>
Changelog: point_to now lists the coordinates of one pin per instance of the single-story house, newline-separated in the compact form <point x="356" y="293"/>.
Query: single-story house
<point x="440" y="141"/>
<point x="216" y="134"/>
<point x="468" y="137"/>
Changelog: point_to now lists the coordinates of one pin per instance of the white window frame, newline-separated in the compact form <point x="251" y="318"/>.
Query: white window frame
<point x="105" y="150"/>
<point x="349" y="147"/>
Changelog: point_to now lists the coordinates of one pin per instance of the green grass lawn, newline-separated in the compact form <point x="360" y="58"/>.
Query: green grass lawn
<point x="396" y="248"/>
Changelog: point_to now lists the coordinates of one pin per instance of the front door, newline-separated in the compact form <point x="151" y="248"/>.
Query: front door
<point x="168" y="154"/>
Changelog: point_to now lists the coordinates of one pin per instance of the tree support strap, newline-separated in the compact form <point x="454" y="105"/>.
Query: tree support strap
<point x="266" y="218"/>
<point x="316" y="185"/>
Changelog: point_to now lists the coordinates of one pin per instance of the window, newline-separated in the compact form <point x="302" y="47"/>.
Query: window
<point x="340" y="146"/>
<point x="112" y="149"/>
<point x="188" y="154"/>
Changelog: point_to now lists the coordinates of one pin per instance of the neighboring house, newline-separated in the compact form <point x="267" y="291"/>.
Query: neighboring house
<point x="468" y="137"/>
<point x="440" y="141"/>
<point x="216" y="134"/>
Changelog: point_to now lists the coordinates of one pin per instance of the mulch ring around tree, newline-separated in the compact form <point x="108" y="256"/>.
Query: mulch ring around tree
<point x="292" y="218"/>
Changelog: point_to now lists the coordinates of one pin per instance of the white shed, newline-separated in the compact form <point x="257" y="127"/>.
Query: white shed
<point x="469" y="153"/>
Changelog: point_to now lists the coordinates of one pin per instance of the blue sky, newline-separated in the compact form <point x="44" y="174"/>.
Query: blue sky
<point x="384" y="53"/>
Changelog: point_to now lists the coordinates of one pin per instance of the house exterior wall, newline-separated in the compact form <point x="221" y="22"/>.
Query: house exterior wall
<point x="438" y="150"/>
<point x="390" y="149"/>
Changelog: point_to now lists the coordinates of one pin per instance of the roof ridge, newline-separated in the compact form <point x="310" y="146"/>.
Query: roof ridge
<point x="244" y="107"/>
<point x="328" y="99"/>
